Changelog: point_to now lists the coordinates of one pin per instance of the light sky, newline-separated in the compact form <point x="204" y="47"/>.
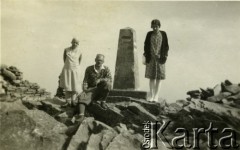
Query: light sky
<point x="204" y="39"/>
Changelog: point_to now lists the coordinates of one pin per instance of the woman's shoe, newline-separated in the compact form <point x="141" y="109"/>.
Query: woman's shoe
<point x="150" y="99"/>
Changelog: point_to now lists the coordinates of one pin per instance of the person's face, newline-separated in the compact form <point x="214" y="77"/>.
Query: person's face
<point x="99" y="61"/>
<point x="155" y="27"/>
<point x="74" y="44"/>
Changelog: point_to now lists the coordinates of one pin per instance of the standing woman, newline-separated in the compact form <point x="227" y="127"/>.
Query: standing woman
<point x="156" y="52"/>
<point x="70" y="76"/>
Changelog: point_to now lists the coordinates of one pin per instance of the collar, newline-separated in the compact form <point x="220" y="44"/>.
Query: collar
<point x="102" y="67"/>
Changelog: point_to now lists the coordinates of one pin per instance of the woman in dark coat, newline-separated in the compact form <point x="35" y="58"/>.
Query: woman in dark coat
<point x="156" y="52"/>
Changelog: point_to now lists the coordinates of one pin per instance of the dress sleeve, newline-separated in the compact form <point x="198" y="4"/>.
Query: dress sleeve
<point x="167" y="46"/>
<point x="145" y="45"/>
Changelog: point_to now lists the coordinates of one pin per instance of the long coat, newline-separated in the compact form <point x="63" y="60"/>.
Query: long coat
<point x="163" y="51"/>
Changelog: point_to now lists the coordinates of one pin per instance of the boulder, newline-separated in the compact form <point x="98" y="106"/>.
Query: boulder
<point x="194" y="93"/>
<point x="53" y="106"/>
<point x="218" y="98"/>
<point x="235" y="97"/>
<point x="182" y="103"/>
<point x="206" y="93"/>
<point x="111" y="116"/>
<point x="233" y="88"/>
<point x="140" y="111"/>
<point x="29" y="129"/>
<point x="8" y="74"/>
<point x="91" y="134"/>
<point x="126" y="141"/>
<point x="217" y="89"/>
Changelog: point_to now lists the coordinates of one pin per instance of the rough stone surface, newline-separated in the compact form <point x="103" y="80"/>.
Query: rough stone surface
<point x="129" y="93"/>
<point x="126" y="141"/>
<point x="126" y="70"/>
<point x="29" y="129"/>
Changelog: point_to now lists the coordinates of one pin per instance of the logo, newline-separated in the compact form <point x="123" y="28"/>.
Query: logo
<point x="152" y="131"/>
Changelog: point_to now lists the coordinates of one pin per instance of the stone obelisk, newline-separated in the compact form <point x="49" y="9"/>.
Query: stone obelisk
<point x="126" y="70"/>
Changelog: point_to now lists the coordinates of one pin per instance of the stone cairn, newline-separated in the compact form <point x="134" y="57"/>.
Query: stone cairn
<point x="224" y="93"/>
<point x="13" y="87"/>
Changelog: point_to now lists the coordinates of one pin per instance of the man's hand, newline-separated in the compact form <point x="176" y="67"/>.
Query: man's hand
<point x="98" y="81"/>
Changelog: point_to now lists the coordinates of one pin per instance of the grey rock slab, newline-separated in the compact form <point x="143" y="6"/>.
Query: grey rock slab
<point x="126" y="141"/>
<point x="129" y="93"/>
<point x="111" y="116"/>
<point x="141" y="111"/>
<point x="29" y="129"/>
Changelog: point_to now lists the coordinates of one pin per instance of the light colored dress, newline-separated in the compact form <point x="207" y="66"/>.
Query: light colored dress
<point x="155" y="70"/>
<point x="70" y="76"/>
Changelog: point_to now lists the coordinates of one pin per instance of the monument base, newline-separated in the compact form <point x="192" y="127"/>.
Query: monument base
<point x="129" y="93"/>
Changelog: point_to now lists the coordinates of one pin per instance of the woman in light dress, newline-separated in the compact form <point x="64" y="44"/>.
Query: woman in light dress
<point x="70" y="76"/>
<point x="155" y="52"/>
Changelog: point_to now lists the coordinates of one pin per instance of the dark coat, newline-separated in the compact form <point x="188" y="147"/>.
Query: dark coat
<point x="163" y="51"/>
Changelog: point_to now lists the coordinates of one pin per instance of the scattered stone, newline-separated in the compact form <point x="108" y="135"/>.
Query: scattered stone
<point x="141" y="112"/>
<point x="182" y="103"/>
<point x="218" y="98"/>
<point x="227" y="82"/>
<point x="8" y="74"/>
<point x="127" y="93"/>
<point x="217" y="89"/>
<point x="29" y="129"/>
<point x="194" y="93"/>
<point x="126" y="141"/>
<point x="233" y="88"/>
<point x="206" y="93"/>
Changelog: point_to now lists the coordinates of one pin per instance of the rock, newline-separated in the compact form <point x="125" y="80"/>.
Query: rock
<point x="128" y="93"/>
<point x="218" y="98"/>
<point x="80" y="139"/>
<point x="217" y="89"/>
<point x="52" y="106"/>
<point x="194" y="93"/>
<point x="91" y="134"/>
<point x="126" y="141"/>
<point x="8" y="74"/>
<point x="107" y="137"/>
<point x="234" y="88"/>
<point x="182" y="103"/>
<point x="121" y="128"/>
<point x="3" y="66"/>
<point x="29" y="129"/>
<point x="173" y="108"/>
<point x="2" y="91"/>
<point x="227" y="102"/>
<point x="235" y="97"/>
<point x="16" y="82"/>
<point x="122" y="102"/>
<point x="206" y="93"/>
<point x="30" y="103"/>
<point x="111" y="116"/>
<point x="141" y="112"/>
<point x="216" y="108"/>
<point x="227" y="82"/>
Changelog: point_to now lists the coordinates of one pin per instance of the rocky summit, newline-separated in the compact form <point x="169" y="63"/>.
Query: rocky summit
<point x="32" y="120"/>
